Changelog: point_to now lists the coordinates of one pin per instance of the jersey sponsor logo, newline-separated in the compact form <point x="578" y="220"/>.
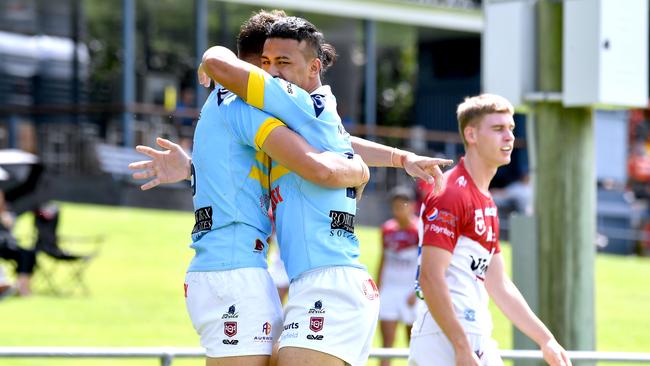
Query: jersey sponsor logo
<point x="479" y="222"/>
<point x="319" y="103"/>
<point x="461" y="181"/>
<point x="291" y="326"/>
<point x="230" y="329"/>
<point x="275" y="197"/>
<point x="479" y="266"/>
<point x="370" y="290"/>
<point x="259" y="245"/>
<point x="203" y="219"/>
<point x="316" y="323"/>
<point x="231" y="314"/>
<point x="266" y="328"/>
<point x="342" y="220"/>
<point x="491" y="212"/>
<point x="222" y="93"/>
<point x="439" y="230"/>
<point x="433" y="214"/>
<point x="445" y="217"/>
<point x="318" y="308"/>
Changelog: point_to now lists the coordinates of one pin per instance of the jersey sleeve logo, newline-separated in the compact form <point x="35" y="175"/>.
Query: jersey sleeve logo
<point x="222" y="93"/>
<point x="319" y="103"/>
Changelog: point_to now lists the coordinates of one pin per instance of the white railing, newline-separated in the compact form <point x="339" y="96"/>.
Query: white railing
<point x="167" y="354"/>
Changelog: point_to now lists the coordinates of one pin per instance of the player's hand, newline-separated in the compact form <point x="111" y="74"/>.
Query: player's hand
<point x="169" y="166"/>
<point x="426" y="168"/>
<point x="467" y="358"/>
<point x="554" y="354"/>
<point x="203" y="77"/>
<point x="366" y="177"/>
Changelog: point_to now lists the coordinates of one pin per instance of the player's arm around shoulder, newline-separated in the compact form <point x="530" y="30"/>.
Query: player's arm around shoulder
<point x="507" y="297"/>
<point x="326" y="168"/>
<point x="222" y="65"/>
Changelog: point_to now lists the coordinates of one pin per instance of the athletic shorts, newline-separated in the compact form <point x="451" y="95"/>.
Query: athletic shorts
<point x="394" y="304"/>
<point x="332" y="310"/>
<point x="235" y="312"/>
<point x="436" y="350"/>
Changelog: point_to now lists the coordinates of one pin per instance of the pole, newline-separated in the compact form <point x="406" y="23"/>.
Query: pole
<point x="128" y="70"/>
<point x="201" y="39"/>
<point x="565" y="197"/>
<point x="370" y="100"/>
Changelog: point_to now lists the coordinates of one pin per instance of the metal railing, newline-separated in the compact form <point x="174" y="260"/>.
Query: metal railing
<point x="168" y="354"/>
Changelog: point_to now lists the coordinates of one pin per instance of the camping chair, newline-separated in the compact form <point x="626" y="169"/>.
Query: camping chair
<point x="59" y="267"/>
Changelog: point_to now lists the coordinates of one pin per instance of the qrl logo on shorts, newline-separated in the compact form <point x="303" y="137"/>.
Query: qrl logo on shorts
<point x="369" y="289"/>
<point x="230" y="328"/>
<point x="316" y="323"/>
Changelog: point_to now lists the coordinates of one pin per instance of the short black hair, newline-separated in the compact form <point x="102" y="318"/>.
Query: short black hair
<point x="402" y="192"/>
<point x="302" y="30"/>
<point x="252" y="34"/>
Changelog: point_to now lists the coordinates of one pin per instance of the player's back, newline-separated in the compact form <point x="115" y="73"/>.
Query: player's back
<point x="228" y="178"/>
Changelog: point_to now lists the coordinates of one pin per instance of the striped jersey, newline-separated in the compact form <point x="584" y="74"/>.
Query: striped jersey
<point x="230" y="180"/>
<point x="315" y="225"/>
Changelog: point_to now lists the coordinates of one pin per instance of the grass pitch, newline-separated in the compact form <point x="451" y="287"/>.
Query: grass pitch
<point x="136" y="297"/>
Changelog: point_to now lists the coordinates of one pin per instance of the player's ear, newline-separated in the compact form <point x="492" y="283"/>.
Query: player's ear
<point x="470" y="134"/>
<point x="315" y="66"/>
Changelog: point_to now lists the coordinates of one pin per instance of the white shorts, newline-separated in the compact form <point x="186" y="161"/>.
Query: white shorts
<point x="332" y="310"/>
<point x="235" y="312"/>
<point x="394" y="304"/>
<point x="436" y="349"/>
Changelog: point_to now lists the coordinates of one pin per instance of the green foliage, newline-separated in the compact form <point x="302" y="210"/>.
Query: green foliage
<point x="137" y="291"/>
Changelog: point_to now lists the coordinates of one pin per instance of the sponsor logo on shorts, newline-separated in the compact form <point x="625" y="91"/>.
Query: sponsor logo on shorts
<point x="232" y="342"/>
<point x="230" y="329"/>
<point x="479" y="354"/>
<point x="262" y="339"/>
<point x="469" y="315"/>
<point x="259" y="245"/>
<point x="291" y="326"/>
<point x="266" y="328"/>
<point x="342" y="220"/>
<point x="370" y="289"/>
<point x="286" y="335"/>
<point x="318" y="308"/>
<point x="231" y="314"/>
<point x="316" y="323"/>
<point x="315" y="337"/>
<point x="203" y="219"/>
<point x="479" y="266"/>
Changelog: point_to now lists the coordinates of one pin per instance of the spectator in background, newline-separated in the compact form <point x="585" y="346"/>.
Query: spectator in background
<point x="9" y="249"/>
<point x="397" y="267"/>
<point x="186" y="103"/>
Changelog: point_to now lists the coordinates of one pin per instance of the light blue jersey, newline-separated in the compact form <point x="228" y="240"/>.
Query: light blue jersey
<point x="315" y="225"/>
<point x="230" y="184"/>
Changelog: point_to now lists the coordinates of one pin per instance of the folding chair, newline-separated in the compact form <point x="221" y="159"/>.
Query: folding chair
<point x="60" y="270"/>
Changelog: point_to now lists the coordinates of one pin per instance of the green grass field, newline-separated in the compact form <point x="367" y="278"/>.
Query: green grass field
<point x="137" y="291"/>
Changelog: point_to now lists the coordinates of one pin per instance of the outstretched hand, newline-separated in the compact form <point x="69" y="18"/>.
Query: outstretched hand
<point x="426" y="168"/>
<point x="555" y="354"/>
<point x="169" y="166"/>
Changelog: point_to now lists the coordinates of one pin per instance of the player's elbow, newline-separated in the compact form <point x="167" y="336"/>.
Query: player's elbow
<point x="326" y="176"/>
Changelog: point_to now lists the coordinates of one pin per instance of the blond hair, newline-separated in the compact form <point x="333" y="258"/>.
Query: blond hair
<point x="472" y="109"/>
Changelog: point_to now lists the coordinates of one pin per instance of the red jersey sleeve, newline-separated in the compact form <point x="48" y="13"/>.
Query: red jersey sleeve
<point x="441" y="220"/>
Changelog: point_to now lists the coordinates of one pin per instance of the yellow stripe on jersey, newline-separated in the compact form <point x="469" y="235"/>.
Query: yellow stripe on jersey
<point x="255" y="92"/>
<point x="259" y="176"/>
<point x="261" y="157"/>
<point x="278" y="171"/>
<point x="265" y="129"/>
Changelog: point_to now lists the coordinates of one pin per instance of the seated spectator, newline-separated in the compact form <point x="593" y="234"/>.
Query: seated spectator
<point x="9" y="249"/>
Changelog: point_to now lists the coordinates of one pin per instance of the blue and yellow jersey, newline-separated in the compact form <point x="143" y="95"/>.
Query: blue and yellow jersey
<point x="230" y="182"/>
<point x="315" y="225"/>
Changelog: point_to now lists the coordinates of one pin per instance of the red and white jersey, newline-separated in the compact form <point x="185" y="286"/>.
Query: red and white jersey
<point x="462" y="220"/>
<point x="400" y="247"/>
